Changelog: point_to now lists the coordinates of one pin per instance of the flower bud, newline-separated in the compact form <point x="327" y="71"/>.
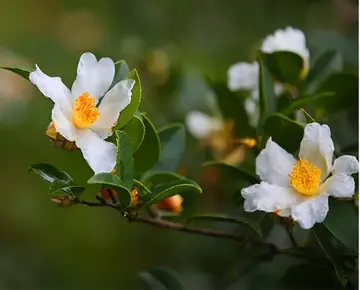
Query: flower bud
<point x="173" y="203"/>
<point x="64" y="200"/>
<point x="59" y="140"/>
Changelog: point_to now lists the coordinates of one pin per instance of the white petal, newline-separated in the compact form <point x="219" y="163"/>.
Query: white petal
<point x="110" y="107"/>
<point x="288" y="39"/>
<point x="52" y="87"/>
<point x="201" y="125"/>
<point x="63" y="125"/>
<point x="243" y="75"/>
<point x="100" y="154"/>
<point x="268" y="197"/>
<point x="318" y="147"/>
<point x="274" y="164"/>
<point x="311" y="211"/>
<point x="339" y="186"/>
<point x="345" y="164"/>
<point x="252" y="109"/>
<point x="94" y="77"/>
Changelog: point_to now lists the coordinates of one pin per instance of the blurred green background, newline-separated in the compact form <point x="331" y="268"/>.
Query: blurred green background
<point x="172" y="44"/>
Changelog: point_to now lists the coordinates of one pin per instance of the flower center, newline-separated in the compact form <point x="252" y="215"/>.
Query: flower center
<point x="85" y="111"/>
<point x="305" y="177"/>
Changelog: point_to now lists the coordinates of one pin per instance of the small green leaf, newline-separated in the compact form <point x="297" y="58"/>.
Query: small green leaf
<point x="285" y="66"/>
<point x="161" y="177"/>
<point x="112" y="181"/>
<point x="135" y="130"/>
<point x="141" y="186"/>
<point x="130" y="110"/>
<point x="343" y="223"/>
<point x="236" y="172"/>
<point x="148" y="154"/>
<point x="50" y="173"/>
<point x="229" y="219"/>
<point x="57" y="187"/>
<point x="21" y="71"/>
<point x="172" y="140"/>
<point x="172" y="188"/>
<point x="124" y="160"/>
<point x="121" y="71"/>
<point x="284" y="131"/>
<point x="267" y="102"/>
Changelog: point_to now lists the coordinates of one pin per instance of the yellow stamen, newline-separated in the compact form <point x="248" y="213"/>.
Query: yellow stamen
<point x="305" y="177"/>
<point x="85" y="111"/>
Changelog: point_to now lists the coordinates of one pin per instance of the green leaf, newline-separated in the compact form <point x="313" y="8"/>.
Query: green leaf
<point x="235" y="172"/>
<point x="267" y="102"/>
<point x="316" y="100"/>
<point x="142" y="186"/>
<point x="112" y="181"/>
<point x="150" y="282"/>
<point x="121" y="71"/>
<point x="148" y="154"/>
<point x="50" y="173"/>
<point x="161" y="177"/>
<point x="57" y="187"/>
<point x="130" y="110"/>
<point x="324" y="240"/>
<point x="124" y="160"/>
<point x="342" y="222"/>
<point x="167" y="278"/>
<point x="321" y="64"/>
<point x="21" y="71"/>
<point x="284" y="131"/>
<point x="172" y="188"/>
<point x="229" y="219"/>
<point x="285" y="66"/>
<point x="135" y="129"/>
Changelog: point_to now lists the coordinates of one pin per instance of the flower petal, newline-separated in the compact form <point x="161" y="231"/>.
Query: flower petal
<point x="110" y="107"/>
<point x="52" y="87"/>
<point x="274" y="164"/>
<point x="94" y="77"/>
<point x="243" y="75"/>
<point x="288" y="39"/>
<point x="252" y="109"/>
<point x="318" y="147"/>
<point x="201" y="125"/>
<point x="346" y="165"/>
<point x="311" y="211"/>
<point x="63" y="125"/>
<point x="99" y="154"/>
<point x="268" y="197"/>
<point x="339" y="186"/>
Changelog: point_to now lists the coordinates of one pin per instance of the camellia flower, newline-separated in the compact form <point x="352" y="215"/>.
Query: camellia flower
<point x="244" y="76"/>
<point x="300" y="188"/>
<point x="201" y="125"/>
<point x="86" y="114"/>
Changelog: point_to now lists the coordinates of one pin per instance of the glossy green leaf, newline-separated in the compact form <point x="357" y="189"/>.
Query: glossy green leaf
<point x="135" y="129"/>
<point x="342" y="222"/>
<point x="21" y="71"/>
<point x="324" y="241"/>
<point x="124" y="160"/>
<point x="285" y="66"/>
<point x="236" y="172"/>
<point x="316" y="100"/>
<point x="161" y="177"/>
<point x="149" y="282"/>
<point x="267" y="102"/>
<point x="130" y="110"/>
<point x="112" y="181"/>
<point x="141" y="186"/>
<point x="172" y="140"/>
<point x="59" y="187"/>
<point x="167" y="278"/>
<point x="121" y="71"/>
<point x="284" y="131"/>
<point x="50" y="173"/>
<point x="172" y="188"/>
<point x="148" y="154"/>
<point x="229" y="219"/>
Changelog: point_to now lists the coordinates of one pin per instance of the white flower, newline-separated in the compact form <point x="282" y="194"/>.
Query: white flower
<point x="244" y="76"/>
<point x="87" y="113"/>
<point x="300" y="188"/>
<point x="201" y="125"/>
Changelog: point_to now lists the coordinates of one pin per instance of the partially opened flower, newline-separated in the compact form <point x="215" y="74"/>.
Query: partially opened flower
<point x="86" y="114"/>
<point x="300" y="188"/>
<point x="244" y="76"/>
<point x="201" y="125"/>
